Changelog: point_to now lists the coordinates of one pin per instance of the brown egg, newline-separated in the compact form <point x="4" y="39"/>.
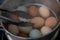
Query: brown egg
<point x="38" y="22"/>
<point x="33" y="10"/>
<point x="44" y="11"/>
<point x="13" y="29"/>
<point x="45" y="30"/>
<point x="22" y="35"/>
<point x="14" y="17"/>
<point x="51" y="22"/>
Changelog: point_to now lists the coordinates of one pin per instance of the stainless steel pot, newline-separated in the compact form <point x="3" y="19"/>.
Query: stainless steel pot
<point x="45" y="37"/>
<point x="54" y="7"/>
<point x="12" y="4"/>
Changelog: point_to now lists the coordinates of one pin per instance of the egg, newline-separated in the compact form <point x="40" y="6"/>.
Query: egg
<point x="25" y="29"/>
<point x="22" y="8"/>
<point x="35" y="33"/>
<point x="33" y="10"/>
<point x="45" y="30"/>
<point x="23" y="19"/>
<point x="14" y="17"/>
<point x="44" y="11"/>
<point x="38" y="22"/>
<point x="22" y="35"/>
<point x="13" y="29"/>
<point x="51" y="22"/>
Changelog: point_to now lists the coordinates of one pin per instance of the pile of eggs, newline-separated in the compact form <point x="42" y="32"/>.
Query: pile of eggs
<point x="43" y="19"/>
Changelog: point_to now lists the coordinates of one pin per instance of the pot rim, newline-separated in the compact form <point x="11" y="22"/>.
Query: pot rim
<point x="58" y="23"/>
<point x="58" y="1"/>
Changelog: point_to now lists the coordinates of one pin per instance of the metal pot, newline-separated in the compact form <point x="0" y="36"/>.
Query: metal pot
<point x="11" y="4"/>
<point x="42" y="38"/>
<point x="55" y="7"/>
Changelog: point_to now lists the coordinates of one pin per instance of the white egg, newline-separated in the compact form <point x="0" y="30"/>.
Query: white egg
<point x="45" y="30"/>
<point x="13" y="29"/>
<point x="23" y="19"/>
<point x="44" y="11"/>
<point x="25" y="29"/>
<point x="35" y="33"/>
<point x="22" y="8"/>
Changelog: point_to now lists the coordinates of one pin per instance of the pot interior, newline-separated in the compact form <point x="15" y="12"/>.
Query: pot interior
<point x="26" y="15"/>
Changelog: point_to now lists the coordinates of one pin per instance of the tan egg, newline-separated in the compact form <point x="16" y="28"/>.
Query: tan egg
<point x="45" y="30"/>
<point x="38" y="22"/>
<point x="25" y="29"/>
<point x="44" y="11"/>
<point x="13" y="29"/>
<point x="33" y="10"/>
<point x="51" y="22"/>
<point x="14" y="17"/>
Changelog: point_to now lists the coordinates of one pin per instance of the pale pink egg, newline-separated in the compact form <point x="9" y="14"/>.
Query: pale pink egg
<point x="44" y="11"/>
<point x="45" y="30"/>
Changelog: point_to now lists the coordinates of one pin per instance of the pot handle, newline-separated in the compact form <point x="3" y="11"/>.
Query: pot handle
<point x="9" y="38"/>
<point x="58" y="1"/>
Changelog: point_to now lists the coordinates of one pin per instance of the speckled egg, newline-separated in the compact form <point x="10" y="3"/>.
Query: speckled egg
<point x="25" y="29"/>
<point x="44" y="11"/>
<point x="33" y="10"/>
<point x="22" y="8"/>
<point x="35" y="33"/>
<point x="45" y="30"/>
<point x="14" y="17"/>
<point x="38" y="22"/>
<point x="22" y="35"/>
<point x="51" y="22"/>
<point x="13" y="29"/>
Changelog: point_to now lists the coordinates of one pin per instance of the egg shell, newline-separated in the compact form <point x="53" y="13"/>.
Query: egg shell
<point x="22" y="35"/>
<point x="23" y="19"/>
<point x="22" y="8"/>
<point x="13" y="29"/>
<point x="14" y="17"/>
<point x="25" y="29"/>
<point x="51" y="22"/>
<point x="45" y="30"/>
<point x="33" y="10"/>
<point x="35" y="33"/>
<point x="38" y="22"/>
<point x="44" y="11"/>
